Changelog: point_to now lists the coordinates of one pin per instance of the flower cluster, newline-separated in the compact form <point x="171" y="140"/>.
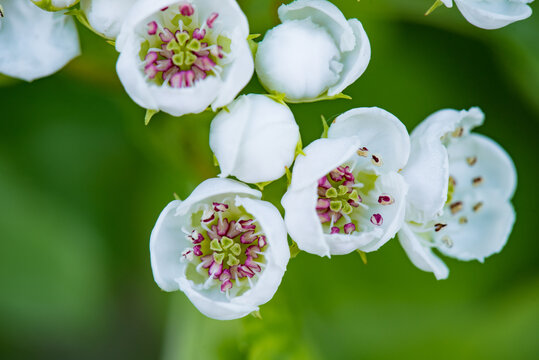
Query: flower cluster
<point x="363" y="182"/>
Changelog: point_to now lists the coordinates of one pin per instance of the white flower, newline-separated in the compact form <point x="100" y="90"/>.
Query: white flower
<point x="35" y="43"/>
<point x="55" y="5"/>
<point x="223" y="247"/>
<point x="492" y="14"/>
<point x="181" y="57"/>
<point x="346" y="193"/>
<point x="255" y="139"/>
<point x="315" y="52"/>
<point x="106" y="16"/>
<point x="460" y="186"/>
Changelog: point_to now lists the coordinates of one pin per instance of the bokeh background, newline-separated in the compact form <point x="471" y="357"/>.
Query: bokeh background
<point x="82" y="181"/>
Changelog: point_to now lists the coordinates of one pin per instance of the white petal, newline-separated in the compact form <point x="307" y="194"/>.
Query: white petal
<point x="298" y="58"/>
<point x="322" y="156"/>
<point x="302" y="221"/>
<point x="166" y="247"/>
<point x="427" y="171"/>
<point x="213" y="187"/>
<point x="214" y="308"/>
<point x="420" y="255"/>
<point x="231" y="18"/>
<point x="448" y="3"/>
<point x="35" y="43"/>
<point x="355" y="61"/>
<point x="485" y="233"/>
<point x="378" y="130"/>
<point x="493" y="14"/>
<point x="324" y="14"/>
<point x="105" y="16"/>
<point x="255" y="139"/>
<point x="277" y="254"/>
<point x="237" y="74"/>
<point x="493" y="165"/>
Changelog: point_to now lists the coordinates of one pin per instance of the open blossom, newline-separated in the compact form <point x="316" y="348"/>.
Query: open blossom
<point x="460" y="187"/>
<point x="223" y="247"/>
<point x="181" y="57"/>
<point x="314" y="52"/>
<point x="492" y="14"/>
<point x="254" y="139"/>
<point x="34" y="43"/>
<point x="345" y="192"/>
<point x="106" y="16"/>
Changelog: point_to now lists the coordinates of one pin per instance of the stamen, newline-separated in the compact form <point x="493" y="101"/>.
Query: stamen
<point x="211" y="19"/>
<point x="349" y="228"/>
<point x="376" y="219"/>
<point x="446" y="240"/>
<point x="335" y="230"/>
<point x="471" y="160"/>
<point x="439" y="226"/>
<point x="152" y="28"/>
<point x="477" y="181"/>
<point x="363" y="152"/>
<point x="452" y="181"/>
<point x="463" y="220"/>
<point x="455" y="207"/>
<point x="187" y="9"/>
<point x="458" y="132"/>
<point x="477" y="206"/>
<point x="385" y="199"/>
<point x="376" y="160"/>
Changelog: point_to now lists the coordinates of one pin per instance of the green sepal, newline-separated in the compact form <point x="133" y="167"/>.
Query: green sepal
<point x="215" y="161"/>
<point x="256" y="314"/>
<point x="253" y="36"/>
<point x="320" y="98"/>
<point x="176" y="197"/>
<point x="434" y="6"/>
<point x="363" y="256"/>
<point x="325" y="126"/>
<point x="253" y="46"/>
<point x="279" y="97"/>
<point x="81" y="17"/>
<point x="294" y="249"/>
<point x="47" y="5"/>
<point x="288" y="176"/>
<point x="111" y="42"/>
<point x="262" y="185"/>
<point x="299" y="148"/>
<point x="149" y="115"/>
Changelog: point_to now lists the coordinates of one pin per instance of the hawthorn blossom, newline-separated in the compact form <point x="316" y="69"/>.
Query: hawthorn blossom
<point x="492" y="14"/>
<point x="314" y="53"/>
<point x="35" y="43"/>
<point x="346" y="193"/>
<point x="182" y="56"/>
<point x="254" y="139"/>
<point x="460" y="190"/>
<point x="223" y="247"/>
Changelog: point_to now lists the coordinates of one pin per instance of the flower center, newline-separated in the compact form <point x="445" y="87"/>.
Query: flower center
<point x="344" y="199"/>
<point x="227" y="247"/>
<point x="178" y="51"/>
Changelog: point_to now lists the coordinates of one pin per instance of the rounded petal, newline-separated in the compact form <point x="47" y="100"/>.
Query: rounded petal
<point x="448" y="3"/>
<point x="219" y="310"/>
<point x="166" y="246"/>
<point x="324" y="14"/>
<point x="490" y="163"/>
<point x="105" y="16"/>
<point x="421" y="255"/>
<point x="485" y="233"/>
<point x="322" y="156"/>
<point x="493" y="14"/>
<point x="355" y="61"/>
<point x="237" y="74"/>
<point x="213" y="187"/>
<point x="53" y="36"/>
<point x="378" y="130"/>
<point x="298" y="58"/>
<point x="302" y="221"/>
<point x="255" y="139"/>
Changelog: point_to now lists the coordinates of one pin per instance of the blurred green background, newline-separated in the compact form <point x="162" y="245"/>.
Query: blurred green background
<point x="82" y="181"/>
